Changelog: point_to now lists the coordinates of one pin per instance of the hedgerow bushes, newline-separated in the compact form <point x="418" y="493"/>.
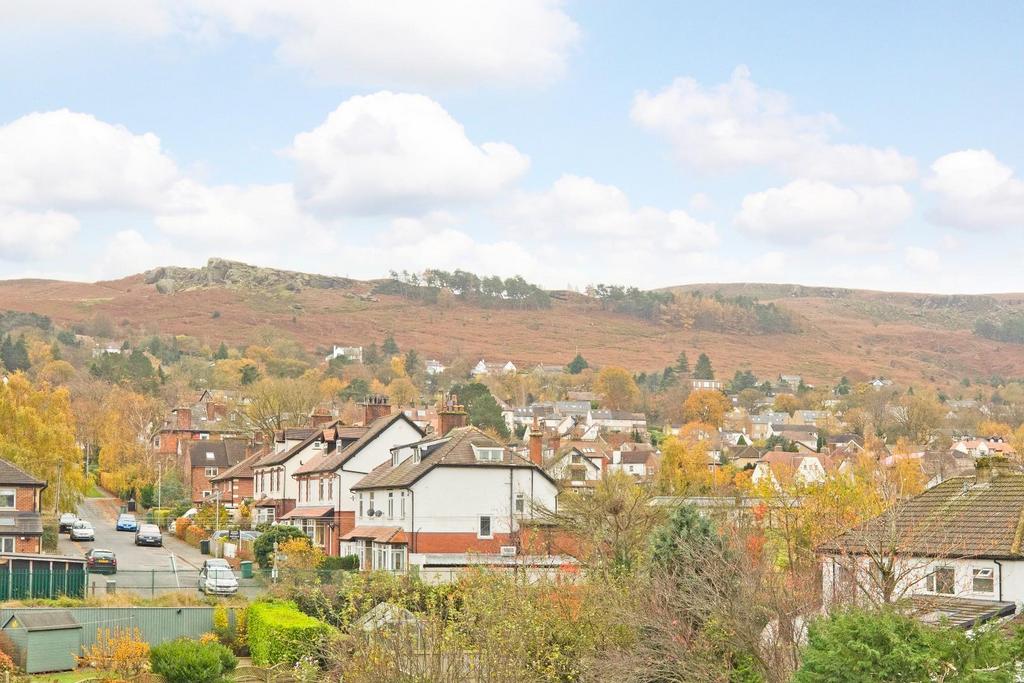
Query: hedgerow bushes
<point x="279" y="632"/>
<point x="192" y="661"/>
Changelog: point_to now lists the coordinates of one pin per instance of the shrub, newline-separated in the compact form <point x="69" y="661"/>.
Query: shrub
<point x="120" y="651"/>
<point x="191" y="661"/>
<point x="264" y="545"/>
<point x="50" y="535"/>
<point x="6" y="663"/>
<point x="181" y="525"/>
<point x="220" y="624"/>
<point x="194" y="534"/>
<point x="279" y="632"/>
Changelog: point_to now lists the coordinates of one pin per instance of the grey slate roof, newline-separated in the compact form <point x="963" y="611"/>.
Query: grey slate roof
<point x="226" y="453"/>
<point x="21" y="523"/>
<point x="10" y="474"/>
<point x="43" y="620"/>
<point x="455" y="450"/>
<point x="328" y="462"/>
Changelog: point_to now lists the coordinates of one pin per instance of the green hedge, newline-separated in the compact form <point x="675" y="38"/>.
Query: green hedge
<point x="190" y="661"/>
<point x="279" y="632"/>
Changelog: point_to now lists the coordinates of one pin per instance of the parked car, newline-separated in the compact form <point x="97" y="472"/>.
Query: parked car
<point x="149" y="534"/>
<point x="83" y="531"/>
<point x="67" y="520"/>
<point x="101" y="561"/>
<point x="215" y="562"/>
<point x="127" y="522"/>
<point x="217" y="580"/>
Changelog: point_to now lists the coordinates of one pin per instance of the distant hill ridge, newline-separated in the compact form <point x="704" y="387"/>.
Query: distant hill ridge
<point x="821" y="333"/>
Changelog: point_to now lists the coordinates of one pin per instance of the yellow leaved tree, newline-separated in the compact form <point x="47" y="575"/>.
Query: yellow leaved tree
<point x="37" y="434"/>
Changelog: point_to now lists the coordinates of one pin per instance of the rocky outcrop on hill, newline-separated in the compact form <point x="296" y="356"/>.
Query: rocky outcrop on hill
<point x="236" y="275"/>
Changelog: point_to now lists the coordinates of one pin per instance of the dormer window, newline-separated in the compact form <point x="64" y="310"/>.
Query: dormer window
<point x="394" y="458"/>
<point x="488" y="454"/>
<point x="318" y="445"/>
<point x="210" y="455"/>
<point x="417" y="455"/>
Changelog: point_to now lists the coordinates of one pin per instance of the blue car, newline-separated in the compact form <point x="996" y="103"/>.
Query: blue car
<point x="126" y="522"/>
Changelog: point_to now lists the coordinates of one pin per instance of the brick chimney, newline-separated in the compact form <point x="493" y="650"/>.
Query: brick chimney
<point x="451" y="415"/>
<point x="183" y="418"/>
<point x="320" y="418"/>
<point x="375" y="406"/>
<point x="990" y="467"/>
<point x="536" y="444"/>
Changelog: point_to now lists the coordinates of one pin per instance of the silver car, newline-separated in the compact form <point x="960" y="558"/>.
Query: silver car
<point x="82" y="531"/>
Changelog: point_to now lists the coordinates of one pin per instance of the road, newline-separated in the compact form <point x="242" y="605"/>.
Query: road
<point x="142" y="569"/>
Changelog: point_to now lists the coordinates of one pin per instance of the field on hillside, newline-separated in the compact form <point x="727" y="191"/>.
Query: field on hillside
<point x="915" y="339"/>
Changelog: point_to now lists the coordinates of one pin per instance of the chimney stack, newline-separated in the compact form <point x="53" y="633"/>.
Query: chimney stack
<point x="991" y="467"/>
<point x="536" y="445"/>
<point x="320" y="418"/>
<point x="183" y="418"/>
<point x="375" y="406"/>
<point x="452" y="415"/>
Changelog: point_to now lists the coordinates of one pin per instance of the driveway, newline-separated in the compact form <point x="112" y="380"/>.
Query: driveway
<point x="141" y="569"/>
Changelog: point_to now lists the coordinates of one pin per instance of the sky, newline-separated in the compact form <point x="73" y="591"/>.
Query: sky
<point x="873" y="145"/>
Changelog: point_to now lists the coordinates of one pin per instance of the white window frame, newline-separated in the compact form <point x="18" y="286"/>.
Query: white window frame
<point x="489" y="454"/>
<point x="401" y="506"/>
<point x="8" y="540"/>
<point x="210" y="472"/>
<point x="391" y="504"/>
<point x="203" y="436"/>
<point x="520" y="503"/>
<point x="13" y="493"/>
<point x="931" y="583"/>
<point x="480" y="524"/>
<point x="360" y="505"/>
<point x="320" y="488"/>
<point x="984" y="574"/>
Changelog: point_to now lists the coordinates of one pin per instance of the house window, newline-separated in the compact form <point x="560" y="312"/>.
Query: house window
<point x="402" y="505"/>
<point x="520" y="503"/>
<point x="203" y="436"/>
<point x="370" y="509"/>
<point x="489" y="454"/>
<point x="321" y="488"/>
<point x="307" y="489"/>
<point x="156" y="441"/>
<point x="360" y="505"/>
<point x="394" y="458"/>
<point x="210" y="455"/>
<point x="398" y="558"/>
<point x="206" y="494"/>
<point x="330" y="489"/>
<point x="942" y="581"/>
<point x="391" y="505"/>
<point x="982" y="580"/>
<point x="6" y="544"/>
<point x="7" y="497"/>
<point x="485" y="530"/>
<point x="211" y="472"/>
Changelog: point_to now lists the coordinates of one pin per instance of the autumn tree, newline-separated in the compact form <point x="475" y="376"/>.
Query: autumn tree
<point x="917" y="416"/>
<point x="274" y="403"/>
<point x="786" y="403"/>
<point x="127" y="425"/>
<point x="683" y="469"/>
<point x="706" y="406"/>
<point x="402" y="391"/>
<point x="617" y="387"/>
<point x="37" y="434"/>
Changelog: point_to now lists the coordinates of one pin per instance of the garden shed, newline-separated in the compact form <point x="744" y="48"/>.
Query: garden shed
<point x="44" y="640"/>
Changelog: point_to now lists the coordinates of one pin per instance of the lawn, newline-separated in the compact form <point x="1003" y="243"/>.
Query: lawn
<point x="65" y="677"/>
<point x="96" y="492"/>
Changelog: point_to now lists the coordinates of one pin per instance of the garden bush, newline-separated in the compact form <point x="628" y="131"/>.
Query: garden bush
<point x="50" y="535"/>
<point x="279" y="632"/>
<point x="192" y="661"/>
<point x="263" y="548"/>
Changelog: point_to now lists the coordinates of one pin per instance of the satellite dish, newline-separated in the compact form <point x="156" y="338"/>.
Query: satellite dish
<point x="369" y="512"/>
<point x="379" y="513"/>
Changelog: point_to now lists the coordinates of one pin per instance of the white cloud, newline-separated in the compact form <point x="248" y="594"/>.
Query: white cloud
<point x="26" y="236"/>
<point x="922" y="260"/>
<point x="64" y="159"/>
<point x="739" y="124"/>
<point x="394" y="153"/>
<point x="424" y="44"/>
<point x="976" y="191"/>
<point x="813" y="209"/>
<point x="251" y="216"/>
<point x="129" y="252"/>
<point x="130" y="17"/>
<point x="583" y="206"/>
<point x="441" y="43"/>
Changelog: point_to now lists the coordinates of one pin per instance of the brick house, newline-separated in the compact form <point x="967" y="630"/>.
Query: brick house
<point x="207" y="459"/>
<point x="21" y="525"/>
<point x="445" y="497"/>
<point x="206" y="419"/>
<point x="324" y="508"/>
<point x="235" y="483"/>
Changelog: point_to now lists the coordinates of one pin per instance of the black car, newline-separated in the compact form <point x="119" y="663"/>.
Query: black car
<point x="149" y="534"/>
<point x="101" y="561"/>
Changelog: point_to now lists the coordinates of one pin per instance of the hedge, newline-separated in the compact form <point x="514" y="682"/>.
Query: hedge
<point x="279" y="632"/>
<point x="191" y="661"/>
